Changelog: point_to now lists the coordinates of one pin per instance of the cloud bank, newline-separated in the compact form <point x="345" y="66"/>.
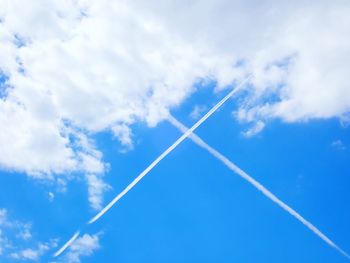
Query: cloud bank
<point x="70" y="69"/>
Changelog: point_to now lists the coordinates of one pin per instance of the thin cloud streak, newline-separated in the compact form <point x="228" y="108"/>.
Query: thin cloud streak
<point x="255" y="183"/>
<point x="167" y="151"/>
<point x="67" y="244"/>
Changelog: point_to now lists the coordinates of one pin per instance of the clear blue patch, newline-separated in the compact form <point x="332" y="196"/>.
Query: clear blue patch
<point x="3" y="85"/>
<point x="240" y="63"/>
<point x="3" y="78"/>
<point x="283" y="63"/>
<point x="83" y="13"/>
<point x="19" y="41"/>
<point x="272" y="97"/>
<point x="20" y="68"/>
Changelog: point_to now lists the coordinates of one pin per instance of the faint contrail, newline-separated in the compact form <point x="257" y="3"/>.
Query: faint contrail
<point x="255" y="183"/>
<point x="68" y="243"/>
<point x="166" y="152"/>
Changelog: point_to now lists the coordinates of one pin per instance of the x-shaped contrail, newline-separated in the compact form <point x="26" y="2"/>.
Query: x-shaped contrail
<point x="188" y="132"/>
<point x="155" y="162"/>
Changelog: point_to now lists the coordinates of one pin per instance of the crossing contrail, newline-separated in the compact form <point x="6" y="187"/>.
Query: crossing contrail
<point x="256" y="184"/>
<point x="156" y="161"/>
<point x="167" y="151"/>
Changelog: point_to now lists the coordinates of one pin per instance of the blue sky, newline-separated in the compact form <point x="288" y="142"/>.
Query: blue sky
<point x="86" y="100"/>
<point x="191" y="208"/>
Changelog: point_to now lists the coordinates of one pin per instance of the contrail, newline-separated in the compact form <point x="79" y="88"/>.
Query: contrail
<point x="167" y="151"/>
<point x="155" y="162"/>
<point x="68" y="243"/>
<point x="255" y="183"/>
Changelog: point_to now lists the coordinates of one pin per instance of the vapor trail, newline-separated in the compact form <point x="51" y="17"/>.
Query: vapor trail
<point x="255" y="183"/>
<point x="154" y="163"/>
<point x="166" y="152"/>
<point x="68" y="243"/>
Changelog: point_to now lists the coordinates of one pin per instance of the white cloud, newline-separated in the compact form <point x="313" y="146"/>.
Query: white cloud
<point x="313" y="82"/>
<point x="16" y="240"/>
<point x="124" y="134"/>
<point x="64" y="72"/>
<point x="27" y="254"/>
<point x="257" y="127"/>
<point x="79" y="67"/>
<point x="96" y="188"/>
<point x="30" y="253"/>
<point x="4" y="243"/>
<point x="51" y="196"/>
<point x="197" y="111"/>
<point x="82" y="247"/>
<point x="25" y="232"/>
<point x="10" y="231"/>
<point x="22" y="229"/>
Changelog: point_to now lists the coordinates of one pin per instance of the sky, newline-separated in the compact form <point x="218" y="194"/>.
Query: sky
<point x="86" y="93"/>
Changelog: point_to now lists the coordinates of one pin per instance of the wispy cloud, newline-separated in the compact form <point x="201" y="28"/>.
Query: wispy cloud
<point x="256" y="184"/>
<point x="21" y="230"/>
<point x="17" y="242"/>
<point x="51" y="196"/>
<point x="82" y="247"/>
<point x="124" y="135"/>
<point x="96" y="190"/>
<point x="33" y="254"/>
<point x="257" y="128"/>
<point x="197" y="111"/>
